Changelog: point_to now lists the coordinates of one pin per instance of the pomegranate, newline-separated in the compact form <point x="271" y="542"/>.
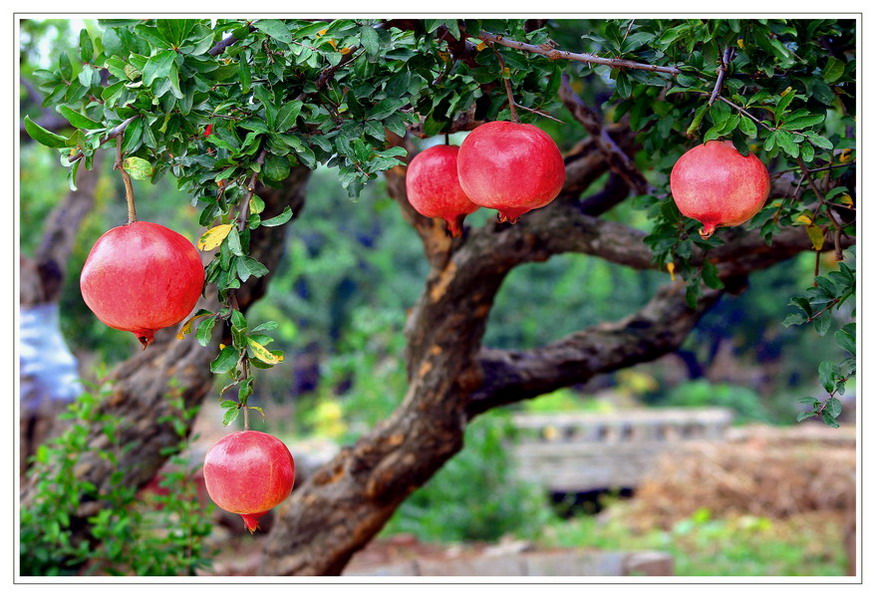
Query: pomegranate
<point x="141" y="277"/>
<point x="511" y="167"/>
<point x="433" y="187"/>
<point x="249" y="473"/>
<point x="716" y="185"/>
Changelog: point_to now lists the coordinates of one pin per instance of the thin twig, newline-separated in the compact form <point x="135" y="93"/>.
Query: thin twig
<point x="837" y="243"/>
<point x="721" y="74"/>
<point x="539" y="113"/>
<point x="114" y="133"/>
<point x="554" y="54"/>
<point x="511" y="103"/>
<point x="243" y="214"/>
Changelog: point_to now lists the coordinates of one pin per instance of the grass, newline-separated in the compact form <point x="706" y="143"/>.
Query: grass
<point x="803" y="545"/>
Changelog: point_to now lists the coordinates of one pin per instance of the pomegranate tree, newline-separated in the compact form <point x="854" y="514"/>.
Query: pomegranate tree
<point x="511" y="167"/>
<point x="433" y="187"/>
<point x="718" y="186"/>
<point x="249" y="473"/>
<point x="141" y="277"/>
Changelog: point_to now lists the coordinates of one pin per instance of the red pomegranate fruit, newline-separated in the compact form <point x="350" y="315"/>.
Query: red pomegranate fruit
<point x="433" y="187"/>
<point x="141" y="277"/>
<point x="249" y="473"/>
<point x="716" y="185"/>
<point x="511" y="167"/>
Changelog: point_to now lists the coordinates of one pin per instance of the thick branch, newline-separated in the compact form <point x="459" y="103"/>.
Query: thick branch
<point x="657" y="329"/>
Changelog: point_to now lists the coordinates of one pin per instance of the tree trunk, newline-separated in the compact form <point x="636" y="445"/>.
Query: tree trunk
<point x="48" y="368"/>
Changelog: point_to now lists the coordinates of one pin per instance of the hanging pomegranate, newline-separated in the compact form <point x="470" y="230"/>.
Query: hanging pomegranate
<point x="249" y="473"/>
<point x="141" y="277"/>
<point x="511" y="167"/>
<point x="716" y="185"/>
<point x="433" y="187"/>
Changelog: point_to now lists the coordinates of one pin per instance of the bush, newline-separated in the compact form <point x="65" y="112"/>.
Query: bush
<point x="153" y="535"/>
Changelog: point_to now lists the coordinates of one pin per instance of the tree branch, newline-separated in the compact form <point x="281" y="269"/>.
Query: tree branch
<point x="617" y="158"/>
<point x="657" y="329"/>
<point x="554" y="54"/>
<point x="721" y="74"/>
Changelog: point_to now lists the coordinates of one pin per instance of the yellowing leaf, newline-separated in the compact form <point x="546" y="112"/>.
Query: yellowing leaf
<point x="846" y="155"/>
<point x="481" y="46"/>
<point x="670" y="267"/>
<point x="321" y="32"/>
<point x="333" y="43"/>
<point x="815" y="234"/>
<point x="845" y="199"/>
<point x="186" y="328"/>
<point x="786" y="91"/>
<point x="740" y="43"/>
<point x="263" y="353"/>
<point x="803" y="219"/>
<point x="345" y="50"/>
<point x="214" y="236"/>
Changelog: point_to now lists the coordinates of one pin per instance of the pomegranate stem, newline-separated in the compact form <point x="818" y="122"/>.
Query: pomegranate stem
<point x="510" y="102"/>
<point x="129" y="187"/>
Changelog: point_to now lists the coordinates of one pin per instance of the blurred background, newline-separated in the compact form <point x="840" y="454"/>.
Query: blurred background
<point x="740" y="488"/>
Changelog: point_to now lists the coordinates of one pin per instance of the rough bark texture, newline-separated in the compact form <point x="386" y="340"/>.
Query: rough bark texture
<point x="140" y="385"/>
<point x="452" y="378"/>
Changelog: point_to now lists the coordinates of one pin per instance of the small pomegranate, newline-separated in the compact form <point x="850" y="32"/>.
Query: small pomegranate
<point x="141" y="277"/>
<point x="511" y="167"/>
<point x="433" y="187"/>
<point x="716" y="185"/>
<point x="249" y="473"/>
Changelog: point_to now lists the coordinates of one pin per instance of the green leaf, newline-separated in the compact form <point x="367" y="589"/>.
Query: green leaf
<point x="43" y="136"/>
<point x="254" y="267"/>
<point x="829" y="420"/>
<point x="205" y="331"/>
<point x="624" y="85"/>
<point x="846" y="337"/>
<point x="833" y="70"/>
<point x="800" y="121"/>
<point x="231" y="414"/>
<point x="286" y="116"/>
<point x="826" y="375"/>
<point x="279" y="220"/>
<point x="234" y="243"/>
<point x="370" y="40"/>
<point x="786" y="142"/>
<point x="159" y="66"/>
<point x="747" y="126"/>
<point x="820" y="141"/>
<point x="833" y="407"/>
<point x="245" y="76"/>
<point x="275" y="28"/>
<point x="710" y="276"/>
<point x="803" y="415"/>
<point x="225" y="361"/>
<point x="276" y="167"/>
<point x="822" y="323"/>
<point x="783" y="103"/>
<point x="86" y="47"/>
<point x="138" y="168"/>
